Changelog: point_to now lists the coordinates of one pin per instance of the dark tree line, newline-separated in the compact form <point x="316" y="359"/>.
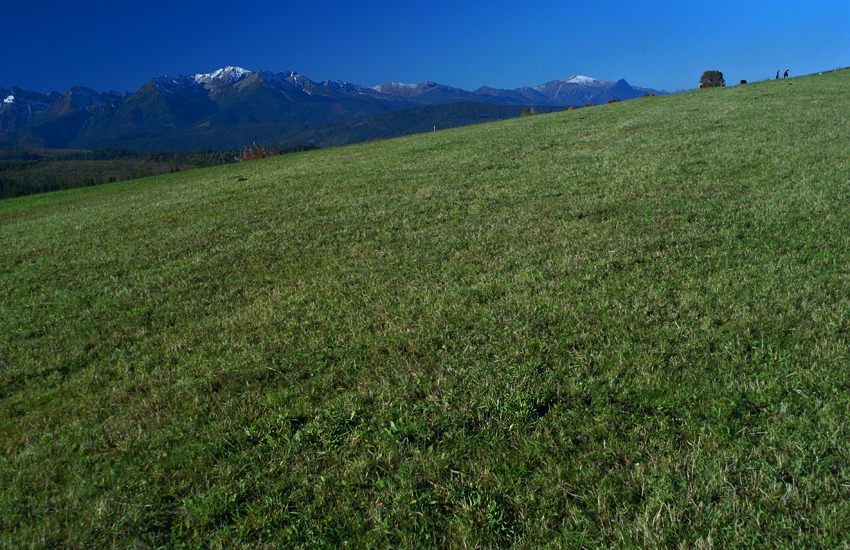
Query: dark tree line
<point x="31" y="171"/>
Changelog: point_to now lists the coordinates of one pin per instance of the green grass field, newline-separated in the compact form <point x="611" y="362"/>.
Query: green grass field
<point x="621" y="326"/>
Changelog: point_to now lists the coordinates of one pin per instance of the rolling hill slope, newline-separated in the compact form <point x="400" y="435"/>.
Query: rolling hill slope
<point x="620" y="326"/>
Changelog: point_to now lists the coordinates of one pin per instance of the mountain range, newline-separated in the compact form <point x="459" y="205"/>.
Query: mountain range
<point x="232" y="107"/>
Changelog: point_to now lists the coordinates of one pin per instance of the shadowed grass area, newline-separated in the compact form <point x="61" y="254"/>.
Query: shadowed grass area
<point x="618" y="326"/>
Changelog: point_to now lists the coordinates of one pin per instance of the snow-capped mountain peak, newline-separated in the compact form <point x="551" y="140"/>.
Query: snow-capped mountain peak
<point x="393" y="87"/>
<point x="585" y="80"/>
<point x="228" y="75"/>
<point x="9" y="100"/>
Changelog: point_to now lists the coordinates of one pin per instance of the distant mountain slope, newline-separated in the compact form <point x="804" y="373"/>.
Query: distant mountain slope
<point x="223" y="108"/>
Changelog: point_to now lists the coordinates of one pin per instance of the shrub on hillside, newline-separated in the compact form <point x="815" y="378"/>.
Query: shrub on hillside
<point x="712" y="79"/>
<point x="253" y="153"/>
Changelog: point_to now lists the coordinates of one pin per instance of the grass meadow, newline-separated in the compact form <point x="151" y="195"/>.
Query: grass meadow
<point x="619" y="326"/>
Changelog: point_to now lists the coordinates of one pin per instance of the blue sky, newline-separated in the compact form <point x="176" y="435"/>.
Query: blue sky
<point x="51" y="46"/>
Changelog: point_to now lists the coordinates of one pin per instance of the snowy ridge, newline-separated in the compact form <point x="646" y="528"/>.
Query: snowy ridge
<point x="393" y="86"/>
<point x="16" y="99"/>
<point x="228" y="75"/>
<point x="586" y="81"/>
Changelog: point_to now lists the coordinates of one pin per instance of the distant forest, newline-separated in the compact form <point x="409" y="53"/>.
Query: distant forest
<point x="27" y="171"/>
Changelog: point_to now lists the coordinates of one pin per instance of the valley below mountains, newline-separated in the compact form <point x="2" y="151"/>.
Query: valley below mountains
<point x="233" y="107"/>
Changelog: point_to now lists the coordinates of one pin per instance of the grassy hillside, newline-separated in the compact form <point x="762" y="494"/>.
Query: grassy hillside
<point x="620" y="326"/>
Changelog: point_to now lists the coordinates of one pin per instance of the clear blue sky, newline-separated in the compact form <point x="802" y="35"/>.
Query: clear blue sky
<point x="109" y="45"/>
